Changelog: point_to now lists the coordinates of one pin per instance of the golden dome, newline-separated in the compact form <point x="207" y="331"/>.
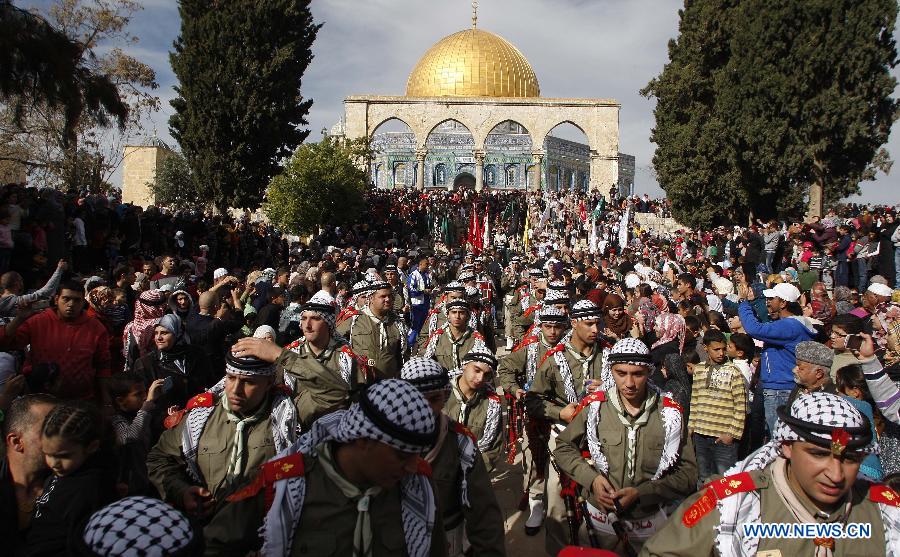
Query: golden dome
<point x="473" y="63"/>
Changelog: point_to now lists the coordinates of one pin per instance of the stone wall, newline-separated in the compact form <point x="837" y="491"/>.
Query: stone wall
<point x="660" y="225"/>
<point x="139" y="169"/>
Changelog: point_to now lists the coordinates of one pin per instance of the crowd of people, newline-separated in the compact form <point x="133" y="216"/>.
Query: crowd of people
<point x="202" y="385"/>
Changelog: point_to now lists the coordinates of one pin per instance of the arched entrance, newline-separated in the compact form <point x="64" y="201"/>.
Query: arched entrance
<point x="464" y="180"/>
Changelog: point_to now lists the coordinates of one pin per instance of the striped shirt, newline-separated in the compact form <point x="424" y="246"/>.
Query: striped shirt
<point x="718" y="400"/>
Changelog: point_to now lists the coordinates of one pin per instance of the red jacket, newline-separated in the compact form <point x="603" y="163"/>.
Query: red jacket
<point x="79" y="347"/>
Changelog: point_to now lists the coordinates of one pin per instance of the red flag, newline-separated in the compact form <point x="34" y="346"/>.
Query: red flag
<point x="582" y="212"/>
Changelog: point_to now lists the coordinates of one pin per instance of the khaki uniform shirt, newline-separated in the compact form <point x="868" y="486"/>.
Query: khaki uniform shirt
<point x="678" y="481"/>
<point x="475" y="417"/>
<point x="675" y="539"/>
<point x="365" y="339"/>
<point x="328" y="519"/>
<point x="511" y="369"/>
<point x="319" y="387"/>
<point x="547" y="395"/>
<point x="522" y="322"/>
<point x="484" y="521"/>
<point x="168" y="472"/>
<point x="443" y="353"/>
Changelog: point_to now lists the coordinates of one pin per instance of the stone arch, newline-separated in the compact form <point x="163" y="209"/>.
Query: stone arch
<point x="431" y="126"/>
<point x="572" y="121"/>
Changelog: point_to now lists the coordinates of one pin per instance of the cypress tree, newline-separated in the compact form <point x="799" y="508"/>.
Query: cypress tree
<point x="239" y="111"/>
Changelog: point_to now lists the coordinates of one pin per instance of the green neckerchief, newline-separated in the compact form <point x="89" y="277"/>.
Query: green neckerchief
<point x="236" y="459"/>
<point x="362" y="534"/>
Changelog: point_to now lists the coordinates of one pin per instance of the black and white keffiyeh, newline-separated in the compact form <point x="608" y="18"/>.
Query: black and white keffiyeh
<point x="249" y="365"/>
<point x="392" y="412"/>
<point x="584" y="310"/>
<point x="138" y="527"/>
<point x="426" y="375"/>
<point x="808" y="419"/>
<point x="322" y="304"/>
<point x="556" y="296"/>
<point x="455" y="286"/>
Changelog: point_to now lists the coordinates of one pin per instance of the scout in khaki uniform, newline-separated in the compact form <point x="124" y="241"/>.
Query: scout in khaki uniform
<point x="511" y="286"/>
<point x="448" y="344"/>
<point x="355" y="484"/>
<point x="806" y="474"/>
<point x="220" y="439"/>
<point x="437" y="316"/>
<point x="359" y="299"/>
<point x="401" y="301"/>
<point x="320" y="369"/>
<point x="565" y="375"/>
<point x="481" y="319"/>
<point x="474" y="403"/>
<point x="641" y="457"/>
<point x="377" y="334"/>
<point x="467" y="502"/>
<point x="516" y="374"/>
<point x="523" y="311"/>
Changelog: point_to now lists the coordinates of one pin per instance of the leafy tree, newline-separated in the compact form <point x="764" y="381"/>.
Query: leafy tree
<point x="239" y="110"/>
<point x="64" y="82"/>
<point x="174" y="185"/>
<point x="322" y="184"/>
<point x="788" y="100"/>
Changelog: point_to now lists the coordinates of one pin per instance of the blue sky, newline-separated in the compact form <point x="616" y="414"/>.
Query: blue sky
<point x="578" y="48"/>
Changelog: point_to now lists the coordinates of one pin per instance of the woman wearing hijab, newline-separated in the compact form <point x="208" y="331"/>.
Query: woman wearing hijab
<point x="137" y="337"/>
<point x="185" y="367"/>
<point x="670" y="334"/>
<point x="616" y="321"/>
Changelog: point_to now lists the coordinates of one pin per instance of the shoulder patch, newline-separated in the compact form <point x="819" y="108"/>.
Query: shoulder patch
<point x="525" y="342"/>
<point x="531" y="309"/>
<point x="290" y="466"/>
<point x="880" y="493"/>
<point x="558" y="348"/>
<point x="494" y="396"/>
<point x="478" y="335"/>
<point x="293" y="345"/>
<point x="463" y="430"/>
<point x="596" y="396"/>
<point x="173" y="419"/>
<point x="729" y="485"/>
<point x="699" y="509"/>
<point x="423" y="467"/>
<point x="203" y="400"/>
<point x="669" y="403"/>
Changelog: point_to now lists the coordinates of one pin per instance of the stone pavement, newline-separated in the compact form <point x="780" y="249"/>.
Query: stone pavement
<point x="507" y="482"/>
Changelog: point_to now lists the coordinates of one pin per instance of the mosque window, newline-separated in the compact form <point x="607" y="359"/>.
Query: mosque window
<point x="489" y="175"/>
<point x="511" y="176"/>
<point x="440" y="174"/>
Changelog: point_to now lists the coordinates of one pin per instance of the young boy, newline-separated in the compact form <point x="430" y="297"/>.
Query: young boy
<point x="741" y="351"/>
<point x="718" y="408"/>
<point x="134" y="406"/>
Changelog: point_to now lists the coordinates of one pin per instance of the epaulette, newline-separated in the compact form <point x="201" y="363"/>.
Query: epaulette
<point x="558" y="348"/>
<point x="715" y="490"/>
<point x="531" y="309"/>
<point x="292" y="345"/>
<point x="880" y="493"/>
<point x="361" y="361"/>
<point x="290" y="466"/>
<point x="437" y="332"/>
<point x="669" y="403"/>
<point x="203" y="400"/>
<point x="463" y="430"/>
<point x="478" y="335"/>
<point x="526" y="341"/>
<point x="423" y="467"/>
<point x="494" y="396"/>
<point x="596" y="396"/>
<point x="345" y="315"/>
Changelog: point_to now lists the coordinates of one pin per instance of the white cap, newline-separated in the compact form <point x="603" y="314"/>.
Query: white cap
<point x="880" y="289"/>
<point x="219" y="273"/>
<point x="723" y="286"/>
<point x="783" y="290"/>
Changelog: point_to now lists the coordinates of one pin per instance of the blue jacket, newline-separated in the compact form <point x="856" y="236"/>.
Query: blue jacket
<point x="779" y="338"/>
